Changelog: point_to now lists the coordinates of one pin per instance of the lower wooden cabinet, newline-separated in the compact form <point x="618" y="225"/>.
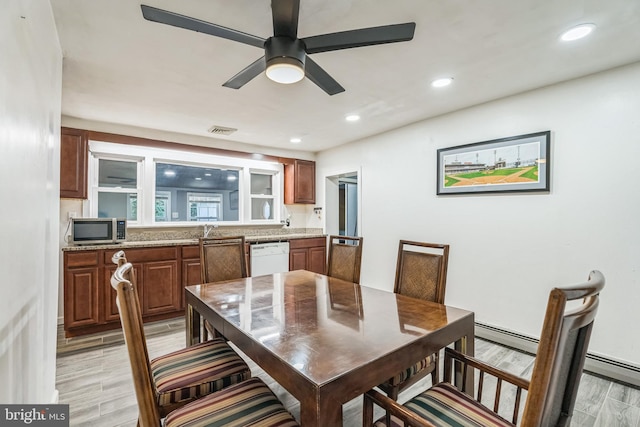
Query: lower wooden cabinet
<point x="308" y="254"/>
<point x="81" y="297"/>
<point x="160" y="291"/>
<point x="162" y="273"/>
<point x="90" y="301"/>
<point x="191" y="269"/>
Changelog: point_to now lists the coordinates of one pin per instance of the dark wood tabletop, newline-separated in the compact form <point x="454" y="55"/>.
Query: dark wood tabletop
<point x="323" y="339"/>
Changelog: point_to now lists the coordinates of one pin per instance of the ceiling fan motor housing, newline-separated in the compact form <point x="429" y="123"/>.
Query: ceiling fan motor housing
<point x="284" y="50"/>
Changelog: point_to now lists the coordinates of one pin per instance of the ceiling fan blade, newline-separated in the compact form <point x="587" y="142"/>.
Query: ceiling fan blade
<point x="362" y="37"/>
<point x="285" y="18"/>
<point x="246" y="75"/>
<point x="321" y="78"/>
<point x="181" y="21"/>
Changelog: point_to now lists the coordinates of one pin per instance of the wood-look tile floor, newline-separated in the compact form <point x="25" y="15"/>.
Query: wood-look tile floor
<point x="94" y="378"/>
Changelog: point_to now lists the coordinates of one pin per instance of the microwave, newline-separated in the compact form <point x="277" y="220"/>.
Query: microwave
<point x="94" y="231"/>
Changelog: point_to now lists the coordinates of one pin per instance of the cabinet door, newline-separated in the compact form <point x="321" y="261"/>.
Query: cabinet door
<point x="300" y="182"/>
<point x="81" y="297"/>
<point x="191" y="275"/>
<point x="159" y="287"/>
<point x="317" y="258"/>
<point x="73" y="163"/>
<point x="111" y="313"/>
<point x="298" y="259"/>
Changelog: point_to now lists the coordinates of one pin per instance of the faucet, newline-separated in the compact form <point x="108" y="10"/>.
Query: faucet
<point x="206" y="229"/>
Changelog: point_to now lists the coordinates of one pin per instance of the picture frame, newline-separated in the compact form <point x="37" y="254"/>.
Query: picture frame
<point x="519" y="163"/>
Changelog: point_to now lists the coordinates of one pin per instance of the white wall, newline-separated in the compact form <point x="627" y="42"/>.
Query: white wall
<point x="508" y="251"/>
<point x="30" y="94"/>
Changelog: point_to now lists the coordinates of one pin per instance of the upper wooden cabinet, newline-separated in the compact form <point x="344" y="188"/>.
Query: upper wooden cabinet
<point x="74" y="149"/>
<point x="300" y="182"/>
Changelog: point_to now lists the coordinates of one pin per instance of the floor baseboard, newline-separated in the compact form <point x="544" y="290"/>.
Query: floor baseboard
<point x="597" y="364"/>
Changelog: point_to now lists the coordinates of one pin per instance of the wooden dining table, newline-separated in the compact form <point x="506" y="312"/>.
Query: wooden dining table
<point x="326" y="341"/>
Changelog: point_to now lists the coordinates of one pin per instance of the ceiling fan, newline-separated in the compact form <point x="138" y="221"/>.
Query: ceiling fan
<point x="286" y="57"/>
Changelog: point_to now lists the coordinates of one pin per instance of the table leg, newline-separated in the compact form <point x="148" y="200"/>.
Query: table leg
<point x="326" y="413"/>
<point x="192" y="320"/>
<point x="465" y="345"/>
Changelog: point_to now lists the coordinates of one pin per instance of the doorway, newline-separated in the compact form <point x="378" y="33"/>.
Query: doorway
<point x="342" y="204"/>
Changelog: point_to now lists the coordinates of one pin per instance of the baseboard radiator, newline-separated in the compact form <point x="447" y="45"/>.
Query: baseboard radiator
<point x="599" y="365"/>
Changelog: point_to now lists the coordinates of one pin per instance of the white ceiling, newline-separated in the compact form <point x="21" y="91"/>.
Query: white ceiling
<point x="120" y="68"/>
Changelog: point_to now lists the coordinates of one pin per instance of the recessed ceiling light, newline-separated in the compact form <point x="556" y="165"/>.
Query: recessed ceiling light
<point x="577" y="32"/>
<point x="169" y="173"/>
<point x="231" y="177"/>
<point x="295" y="140"/>
<point x="198" y="178"/>
<point x="352" y="118"/>
<point x="207" y="174"/>
<point x="442" y="82"/>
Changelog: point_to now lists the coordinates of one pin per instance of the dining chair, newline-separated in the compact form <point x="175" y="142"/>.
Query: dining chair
<point x="345" y="258"/>
<point x="221" y="258"/>
<point x="421" y="272"/>
<point x="177" y="378"/>
<point x="551" y="392"/>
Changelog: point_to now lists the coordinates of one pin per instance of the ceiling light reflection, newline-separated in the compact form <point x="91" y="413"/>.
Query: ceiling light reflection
<point x="442" y="82"/>
<point x="577" y="32"/>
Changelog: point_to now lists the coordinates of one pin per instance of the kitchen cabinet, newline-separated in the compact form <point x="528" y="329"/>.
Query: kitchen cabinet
<point x="90" y="301"/>
<point x="161" y="295"/>
<point x="308" y="254"/>
<point x="81" y="290"/>
<point x="162" y="272"/>
<point x="74" y="149"/>
<point x="191" y="269"/>
<point x="156" y="277"/>
<point x="300" y="182"/>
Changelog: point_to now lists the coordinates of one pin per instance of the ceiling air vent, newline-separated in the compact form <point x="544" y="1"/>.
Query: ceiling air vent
<point x="221" y="130"/>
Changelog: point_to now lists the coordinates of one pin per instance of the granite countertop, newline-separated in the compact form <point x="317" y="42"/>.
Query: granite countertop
<point x="182" y="242"/>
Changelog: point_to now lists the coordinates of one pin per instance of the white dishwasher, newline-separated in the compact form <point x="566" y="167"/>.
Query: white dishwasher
<point x="268" y="258"/>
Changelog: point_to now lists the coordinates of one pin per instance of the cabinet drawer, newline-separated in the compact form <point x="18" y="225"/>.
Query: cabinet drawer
<point x="145" y="254"/>
<point x="307" y="243"/>
<point x="190" y="252"/>
<point x="81" y="259"/>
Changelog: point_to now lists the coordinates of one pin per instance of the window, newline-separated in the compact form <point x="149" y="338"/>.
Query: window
<point x="163" y="205"/>
<point x="262" y="200"/>
<point x="196" y="189"/>
<point x="159" y="186"/>
<point x="204" y="206"/>
<point x="117" y="189"/>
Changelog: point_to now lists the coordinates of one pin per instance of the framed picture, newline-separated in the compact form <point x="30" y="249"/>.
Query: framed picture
<point x="516" y="163"/>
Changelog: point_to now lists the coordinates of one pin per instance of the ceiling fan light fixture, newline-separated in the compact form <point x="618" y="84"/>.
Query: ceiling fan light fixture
<point x="285" y="70"/>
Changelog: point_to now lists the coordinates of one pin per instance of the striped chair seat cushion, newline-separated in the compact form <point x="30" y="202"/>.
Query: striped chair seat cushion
<point x="248" y="404"/>
<point x="411" y="371"/>
<point x="444" y="406"/>
<point x="197" y="371"/>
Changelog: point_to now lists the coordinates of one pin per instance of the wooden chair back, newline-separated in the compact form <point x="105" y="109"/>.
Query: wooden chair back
<point x="119" y="258"/>
<point x="123" y="281"/>
<point x="222" y="258"/>
<point x="561" y="354"/>
<point x="421" y="270"/>
<point x="345" y="258"/>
